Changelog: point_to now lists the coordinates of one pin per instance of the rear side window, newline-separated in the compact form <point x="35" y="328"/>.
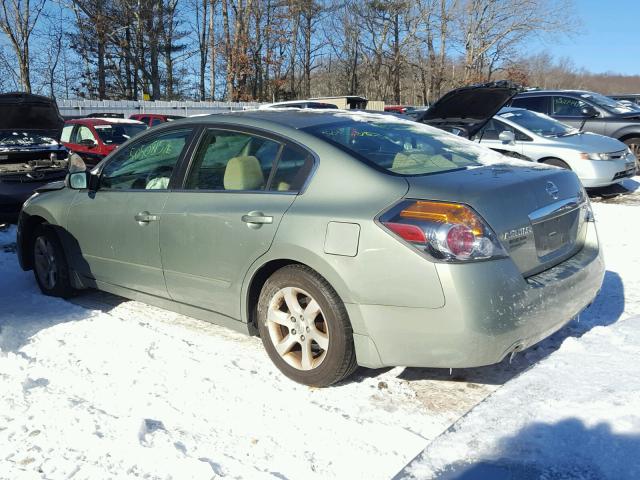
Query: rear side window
<point x="65" y="136"/>
<point x="227" y="160"/>
<point x="537" y="104"/>
<point x="294" y="166"/>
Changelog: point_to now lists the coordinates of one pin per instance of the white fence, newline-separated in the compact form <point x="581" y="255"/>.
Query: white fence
<point x="77" y="108"/>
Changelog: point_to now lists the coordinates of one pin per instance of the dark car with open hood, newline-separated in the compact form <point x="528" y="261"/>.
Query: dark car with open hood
<point x="30" y="153"/>
<point x="466" y="110"/>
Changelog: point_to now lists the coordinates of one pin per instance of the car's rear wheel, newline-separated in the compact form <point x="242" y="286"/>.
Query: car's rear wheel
<point x="634" y="146"/>
<point x="305" y="328"/>
<point x="556" y="162"/>
<point x="50" y="264"/>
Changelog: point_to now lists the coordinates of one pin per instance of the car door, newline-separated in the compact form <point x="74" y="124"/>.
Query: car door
<point x="489" y="137"/>
<point x="115" y="229"/>
<point x="238" y="187"/>
<point x="568" y="110"/>
<point x="86" y="145"/>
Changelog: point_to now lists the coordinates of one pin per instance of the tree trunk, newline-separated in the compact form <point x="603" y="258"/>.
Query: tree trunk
<point x="212" y="49"/>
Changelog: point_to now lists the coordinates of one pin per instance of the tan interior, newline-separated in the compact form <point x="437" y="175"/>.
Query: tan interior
<point x="243" y="173"/>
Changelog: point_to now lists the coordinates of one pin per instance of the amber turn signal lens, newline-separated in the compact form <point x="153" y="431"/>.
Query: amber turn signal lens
<point x="442" y="212"/>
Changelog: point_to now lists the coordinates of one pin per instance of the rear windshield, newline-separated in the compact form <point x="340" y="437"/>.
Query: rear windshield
<point x="403" y="147"/>
<point x="115" y="134"/>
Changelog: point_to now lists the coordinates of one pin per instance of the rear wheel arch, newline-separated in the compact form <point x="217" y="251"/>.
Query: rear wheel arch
<point x="262" y="274"/>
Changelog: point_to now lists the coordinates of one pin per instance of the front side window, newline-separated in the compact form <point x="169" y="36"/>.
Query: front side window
<point x="84" y="133"/>
<point x="145" y="165"/>
<point x="403" y="147"/>
<point x="227" y="160"/>
<point x="118" y="133"/>
<point x="568" y="107"/>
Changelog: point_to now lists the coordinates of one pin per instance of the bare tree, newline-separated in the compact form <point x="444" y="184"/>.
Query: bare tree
<point x="18" y="19"/>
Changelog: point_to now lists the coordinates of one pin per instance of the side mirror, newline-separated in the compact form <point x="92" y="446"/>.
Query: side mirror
<point x="78" y="180"/>
<point x="507" y="137"/>
<point x="87" y="142"/>
<point x="589" y="112"/>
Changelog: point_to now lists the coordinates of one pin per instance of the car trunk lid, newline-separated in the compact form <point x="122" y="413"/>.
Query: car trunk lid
<point x="537" y="212"/>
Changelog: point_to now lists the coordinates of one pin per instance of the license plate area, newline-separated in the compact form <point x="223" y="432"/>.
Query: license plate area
<point x="557" y="233"/>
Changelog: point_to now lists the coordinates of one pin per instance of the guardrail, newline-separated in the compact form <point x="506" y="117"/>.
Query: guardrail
<point x="78" y="108"/>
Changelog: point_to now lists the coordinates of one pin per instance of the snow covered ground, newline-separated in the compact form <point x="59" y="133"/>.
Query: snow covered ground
<point x="108" y="388"/>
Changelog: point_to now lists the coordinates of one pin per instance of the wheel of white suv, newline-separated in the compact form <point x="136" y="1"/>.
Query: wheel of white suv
<point x="305" y="328"/>
<point x="50" y="264"/>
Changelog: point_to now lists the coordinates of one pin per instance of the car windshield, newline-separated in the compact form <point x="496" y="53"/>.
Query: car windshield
<point x="539" y="123"/>
<point x="607" y="103"/>
<point x="117" y="133"/>
<point x="403" y="147"/>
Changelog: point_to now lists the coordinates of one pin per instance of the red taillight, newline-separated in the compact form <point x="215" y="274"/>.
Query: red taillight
<point x="460" y="240"/>
<point x="449" y="232"/>
<point x="408" y="232"/>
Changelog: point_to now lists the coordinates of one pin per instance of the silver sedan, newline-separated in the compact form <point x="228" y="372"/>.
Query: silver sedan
<point x="598" y="161"/>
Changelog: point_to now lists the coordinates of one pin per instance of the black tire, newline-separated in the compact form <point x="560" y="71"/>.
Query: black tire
<point x="339" y="359"/>
<point x="58" y="284"/>
<point x="556" y="162"/>
<point x="634" y="144"/>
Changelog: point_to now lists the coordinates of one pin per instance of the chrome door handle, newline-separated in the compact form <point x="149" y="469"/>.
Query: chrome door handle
<point x="256" y="218"/>
<point x="145" y="217"/>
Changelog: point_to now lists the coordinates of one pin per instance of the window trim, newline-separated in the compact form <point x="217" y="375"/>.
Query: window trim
<point x="258" y="132"/>
<point x="174" y="174"/>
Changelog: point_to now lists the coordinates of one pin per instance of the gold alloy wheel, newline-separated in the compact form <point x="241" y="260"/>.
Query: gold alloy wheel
<point x="297" y="328"/>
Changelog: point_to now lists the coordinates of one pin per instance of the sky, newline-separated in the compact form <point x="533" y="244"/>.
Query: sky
<point x="607" y="40"/>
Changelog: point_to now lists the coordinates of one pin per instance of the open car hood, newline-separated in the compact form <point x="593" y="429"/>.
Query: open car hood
<point x="27" y="112"/>
<point x="464" y="111"/>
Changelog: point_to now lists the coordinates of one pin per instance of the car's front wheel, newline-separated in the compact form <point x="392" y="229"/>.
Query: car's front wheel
<point x="50" y="264"/>
<point x="305" y="328"/>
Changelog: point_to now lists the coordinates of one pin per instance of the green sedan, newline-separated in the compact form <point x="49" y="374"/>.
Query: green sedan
<point x="342" y="239"/>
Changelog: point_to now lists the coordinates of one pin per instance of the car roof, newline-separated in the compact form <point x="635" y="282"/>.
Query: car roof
<point x="533" y="93"/>
<point x="297" y="119"/>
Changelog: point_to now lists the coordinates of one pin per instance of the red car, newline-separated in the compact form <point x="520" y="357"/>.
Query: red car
<point x="399" y="108"/>
<point x="152" y="119"/>
<point x="95" y="138"/>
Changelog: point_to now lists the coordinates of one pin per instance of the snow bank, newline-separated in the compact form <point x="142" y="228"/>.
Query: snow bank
<point x="575" y="415"/>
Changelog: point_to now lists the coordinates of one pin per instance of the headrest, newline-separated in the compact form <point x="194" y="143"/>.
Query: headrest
<point x="243" y="173"/>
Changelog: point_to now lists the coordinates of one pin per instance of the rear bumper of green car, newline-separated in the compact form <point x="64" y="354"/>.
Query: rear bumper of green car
<point x="490" y="311"/>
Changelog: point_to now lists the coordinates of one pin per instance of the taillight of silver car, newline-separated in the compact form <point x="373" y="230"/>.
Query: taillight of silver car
<point x="449" y="232"/>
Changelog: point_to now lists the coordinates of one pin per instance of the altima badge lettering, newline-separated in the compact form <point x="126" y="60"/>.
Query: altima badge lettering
<point x="552" y="190"/>
<point x="517" y="233"/>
